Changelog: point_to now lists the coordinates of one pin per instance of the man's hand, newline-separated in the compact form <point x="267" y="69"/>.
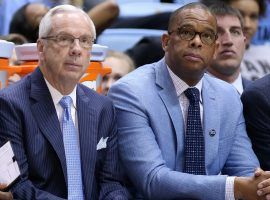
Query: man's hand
<point x="264" y="186"/>
<point x="251" y="188"/>
<point x="5" y="195"/>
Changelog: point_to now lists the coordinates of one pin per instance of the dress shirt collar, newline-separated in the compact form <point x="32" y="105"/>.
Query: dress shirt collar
<point x="57" y="96"/>
<point x="238" y="84"/>
<point x="181" y="86"/>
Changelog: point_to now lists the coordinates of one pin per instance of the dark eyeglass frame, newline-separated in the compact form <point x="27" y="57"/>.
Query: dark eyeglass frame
<point x="179" y="31"/>
<point x="70" y="40"/>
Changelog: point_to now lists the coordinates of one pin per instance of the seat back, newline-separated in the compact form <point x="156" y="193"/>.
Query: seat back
<point x="121" y="39"/>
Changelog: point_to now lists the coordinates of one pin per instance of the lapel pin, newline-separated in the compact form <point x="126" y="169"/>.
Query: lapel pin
<point x="212" y="132"/>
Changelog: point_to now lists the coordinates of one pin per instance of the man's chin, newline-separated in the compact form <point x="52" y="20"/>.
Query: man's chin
<point x="72" y="76"/>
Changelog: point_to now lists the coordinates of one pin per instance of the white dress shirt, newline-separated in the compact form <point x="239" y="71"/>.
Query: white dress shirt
<point x="238" y="84"/>
<point x="180" y="87"/>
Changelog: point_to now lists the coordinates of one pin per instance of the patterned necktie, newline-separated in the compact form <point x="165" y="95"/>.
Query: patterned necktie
<point x="194" y="139"/>
<point x="72" y="151"/>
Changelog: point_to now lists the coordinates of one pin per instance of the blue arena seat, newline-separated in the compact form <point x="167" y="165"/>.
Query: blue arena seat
<point x="121" y="39"/>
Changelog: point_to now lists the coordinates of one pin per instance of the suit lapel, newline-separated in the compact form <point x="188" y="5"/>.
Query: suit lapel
<point x="211" y="112"/>
<point x="45" y="114"/>
<point x="245" y="83"/>
<point x="88" y="127"/>
<point x="170" y="100"/>
<point x="211" y="121"/>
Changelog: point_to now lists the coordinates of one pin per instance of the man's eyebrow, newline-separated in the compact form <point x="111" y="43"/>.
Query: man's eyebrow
<point x="209" y="29"/>
<point x="236" y="27"/>
<point x="220" y="28"/>
<point x="192" y="26"/>
<point x="186" y="26"/>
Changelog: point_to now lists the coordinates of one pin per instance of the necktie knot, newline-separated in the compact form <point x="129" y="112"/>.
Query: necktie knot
<point x="65" y="102"/>
<point x="193" y="95"/>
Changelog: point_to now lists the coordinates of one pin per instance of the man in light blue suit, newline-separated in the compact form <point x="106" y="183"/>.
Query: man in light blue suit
<point x="152" y="114"/>
<point x="63" y="134"/>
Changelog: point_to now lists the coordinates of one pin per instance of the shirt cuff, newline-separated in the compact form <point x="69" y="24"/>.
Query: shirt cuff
<point x="229" y="190"/>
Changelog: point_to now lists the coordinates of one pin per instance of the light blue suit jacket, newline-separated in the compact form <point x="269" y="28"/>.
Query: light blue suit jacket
<point x="151" y="135"/>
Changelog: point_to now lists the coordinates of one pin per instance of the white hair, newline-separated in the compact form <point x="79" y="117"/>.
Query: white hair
<point x="45" y="25"/>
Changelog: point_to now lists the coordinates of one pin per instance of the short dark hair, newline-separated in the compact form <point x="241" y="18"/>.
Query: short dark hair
<point x="175" y="14"/>
<point x="261" y="3"/>
<point x="19" y="24"/>
<point x="222" y="9"/>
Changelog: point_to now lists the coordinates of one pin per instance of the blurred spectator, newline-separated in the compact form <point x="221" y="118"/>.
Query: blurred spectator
<point x="140" y="51"/>
<point x="251" y="11"/>
<point x="104" y="14"/>
<point x="262" y="35"/>
<point x="26" y="20"/>
<point x="121" y="64"/>
<point x="8" y="8"/>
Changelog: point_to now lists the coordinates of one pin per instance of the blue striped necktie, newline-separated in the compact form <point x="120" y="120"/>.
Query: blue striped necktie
<point x="194" y="139"/>
<point x="72" y="152"/>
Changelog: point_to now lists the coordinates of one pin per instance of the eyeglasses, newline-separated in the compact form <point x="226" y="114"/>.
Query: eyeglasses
<point x="207" y="37"/>
<point x="65" y="40"/>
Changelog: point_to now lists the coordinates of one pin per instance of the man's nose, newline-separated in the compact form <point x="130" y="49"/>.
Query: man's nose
<point x="196" y="41"/>
<point x="225" y="38"/>
<point x="75" y="48"/>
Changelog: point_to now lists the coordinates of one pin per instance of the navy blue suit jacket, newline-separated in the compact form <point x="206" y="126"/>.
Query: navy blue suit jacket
<point x="28" y="119"/>
<point x="256" y="102"/>
<point x="246" y="83"/>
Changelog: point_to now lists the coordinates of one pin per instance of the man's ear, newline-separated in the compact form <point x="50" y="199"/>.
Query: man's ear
<point x="165" y="41"/>
<point x="216" y="49"/>
<point x="40" y="45"/>
<point x="40" y="48"/>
